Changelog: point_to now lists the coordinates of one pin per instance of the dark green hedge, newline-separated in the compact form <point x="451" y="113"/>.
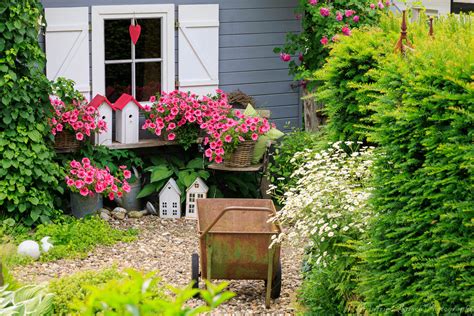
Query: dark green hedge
<point x="419" y="255"/>
<point x="28" y="175"/>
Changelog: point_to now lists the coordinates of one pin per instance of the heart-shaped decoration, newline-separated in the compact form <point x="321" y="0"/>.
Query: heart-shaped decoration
<point x="134" y="31"/>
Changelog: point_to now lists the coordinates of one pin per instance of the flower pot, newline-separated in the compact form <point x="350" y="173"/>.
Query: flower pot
<point x="85" y="205"/>
<point x="66" y="140"/>
<point x="242" y="156"/>
<point x="129" y="200"/>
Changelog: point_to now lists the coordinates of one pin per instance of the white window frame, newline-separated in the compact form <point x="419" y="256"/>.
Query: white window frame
<point x="163" y="11"/>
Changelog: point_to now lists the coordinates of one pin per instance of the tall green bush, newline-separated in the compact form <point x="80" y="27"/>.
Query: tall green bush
<point x="419" y="256"/>
<point x="28" y="175"/>
<point x="349" y="65"/>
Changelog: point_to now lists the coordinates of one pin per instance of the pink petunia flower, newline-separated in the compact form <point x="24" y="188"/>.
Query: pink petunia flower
<point x="127" y="174"/>
<point x="79" y="136"/>
<point x="84" y="191"/>
<point x="208" y="153"/>
<point x="171" y="136"/>
<point x="152" y="98"/>
<point x="218" y="159"/>
<point x="228" y="138"/>
<point x="254" y="136"/>
<point x="111" y="196"/>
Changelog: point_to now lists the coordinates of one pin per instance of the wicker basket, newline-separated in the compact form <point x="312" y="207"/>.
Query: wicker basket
<point x="66" y="141"/>
<point x="242" y="156"/>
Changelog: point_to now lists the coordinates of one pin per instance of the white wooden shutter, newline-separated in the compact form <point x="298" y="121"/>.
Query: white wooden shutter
<point x="67" y="46"/>
<point x="198" y="48"/>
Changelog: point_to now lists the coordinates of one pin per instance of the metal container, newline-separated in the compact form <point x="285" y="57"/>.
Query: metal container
<point x="235" y="239"/>
<point x="85" y="205"/>
<point x="129" y="200"/>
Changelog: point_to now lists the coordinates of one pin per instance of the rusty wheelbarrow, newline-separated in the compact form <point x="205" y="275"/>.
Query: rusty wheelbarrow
<point x="234" y="243"/>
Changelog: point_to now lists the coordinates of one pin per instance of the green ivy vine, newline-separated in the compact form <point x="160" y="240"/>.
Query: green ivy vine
<point x="28" y="174"/>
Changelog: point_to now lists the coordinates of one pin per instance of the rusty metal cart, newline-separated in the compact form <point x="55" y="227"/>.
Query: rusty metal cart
<point x="234" y="243"/>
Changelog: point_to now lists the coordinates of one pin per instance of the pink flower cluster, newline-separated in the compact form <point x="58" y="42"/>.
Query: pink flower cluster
<point x="87" y="179"/>
<point x="78" y="117"/>
<point x="227" y="131"/>
<point x="176" y="109"/>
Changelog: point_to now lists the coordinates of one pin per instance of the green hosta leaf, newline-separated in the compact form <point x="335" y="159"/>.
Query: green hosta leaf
<point x="147" y="190"/>
<point x="160" y="174"/>
<point x="196" y="163"/>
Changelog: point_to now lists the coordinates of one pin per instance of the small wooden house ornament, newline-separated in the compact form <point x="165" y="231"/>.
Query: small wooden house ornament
<point x="127" y="119"/>
<point x="105" y="108"/>
<point x="197" y="190"/>
<point x="170" y="200"/>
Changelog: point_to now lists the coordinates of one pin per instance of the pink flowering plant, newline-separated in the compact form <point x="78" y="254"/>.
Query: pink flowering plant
<point x="179" y="115"/>
<point x="72" y="113"/>
<point x="77" y="117"/>
<point x="86" y="179"/>
<point x="323" y="23"/>
<point x="226" y="132"/>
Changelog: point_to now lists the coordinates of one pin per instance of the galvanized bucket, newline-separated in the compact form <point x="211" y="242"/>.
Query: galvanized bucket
<point x="85" y="205"/>
<point x="129" y="200"/>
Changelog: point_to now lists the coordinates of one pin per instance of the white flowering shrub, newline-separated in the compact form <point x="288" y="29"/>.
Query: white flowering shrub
<point x="328" y="206"/>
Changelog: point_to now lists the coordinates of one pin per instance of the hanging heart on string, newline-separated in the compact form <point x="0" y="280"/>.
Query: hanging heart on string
<point x="134" y="30"/>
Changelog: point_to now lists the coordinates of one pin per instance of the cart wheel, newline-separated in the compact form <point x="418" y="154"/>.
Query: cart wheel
<point x="276" y="283"/>
<point x="195" y="270"/>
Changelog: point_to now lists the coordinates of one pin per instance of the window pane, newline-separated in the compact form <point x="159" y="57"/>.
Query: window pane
<point x="117" y="39"/>
<point x="149" y="43"/>
<point x="118" y="80"/>
<point x="148" y="80"/>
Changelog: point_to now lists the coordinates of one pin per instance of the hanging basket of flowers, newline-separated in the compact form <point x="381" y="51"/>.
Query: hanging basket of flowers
<point x="66" y="141"/>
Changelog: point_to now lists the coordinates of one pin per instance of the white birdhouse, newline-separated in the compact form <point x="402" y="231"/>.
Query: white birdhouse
<point x="197" y="190"/>
<point x="127" y="119"/>
<point x="105" y="108"/>
<point x="170" y="200"/>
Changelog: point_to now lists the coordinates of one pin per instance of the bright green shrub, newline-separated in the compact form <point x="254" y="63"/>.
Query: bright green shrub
<point x="77" y="287"/>
<point x="141" y="294"/>
<point x="76" y="237"/>
<point x="348" y="66"/>
<point x="28" y="175"/>
<point x="420" y="254"/>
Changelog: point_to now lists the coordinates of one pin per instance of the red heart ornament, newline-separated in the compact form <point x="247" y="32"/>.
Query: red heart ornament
<point x="134" y="31"/>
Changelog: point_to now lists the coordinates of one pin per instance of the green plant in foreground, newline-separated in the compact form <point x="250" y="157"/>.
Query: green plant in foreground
<point x="139" y="294"/>
<point x="77" y="287"/>
<point x="28" y="300"/>
<point x="76" y="237"/>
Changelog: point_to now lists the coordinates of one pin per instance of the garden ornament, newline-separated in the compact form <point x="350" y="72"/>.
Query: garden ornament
<point x="29" y="248"/>
<point x="134" y="29"/>
<point x="45" y="244"/>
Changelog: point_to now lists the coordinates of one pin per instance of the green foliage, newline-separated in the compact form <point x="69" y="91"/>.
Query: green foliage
<point x="28" y="175"/>
<point x="139" y="294"/>
<point x="76" y="237"/>
<point x="419" y="256"/>
<point x="283" y="162"/>
<point x="171" y="166"/>
<point x="349" y="65"/>
<point x="315" y="27"/>
<point x="64" y="89"/>
<point x="28" y="300"/>
<point x="77" y="287"/>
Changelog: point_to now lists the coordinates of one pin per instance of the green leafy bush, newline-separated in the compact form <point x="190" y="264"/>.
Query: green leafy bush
<point x="140" y="294"/>
<point x="349" y="65"/>
<point x="283" y="161"/>
<point x="28" y="300"/>
<point x="419" y="256"/>
<point x="77" y="287"/>
<point x="76" y="237"/>
<point x="28" y="174"/>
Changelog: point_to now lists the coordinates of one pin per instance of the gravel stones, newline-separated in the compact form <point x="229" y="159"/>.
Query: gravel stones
<point x="166" y="246"/>
<point x="119" y="213"/>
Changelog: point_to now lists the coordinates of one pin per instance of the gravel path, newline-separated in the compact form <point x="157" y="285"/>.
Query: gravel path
<point x="166" y="246"/>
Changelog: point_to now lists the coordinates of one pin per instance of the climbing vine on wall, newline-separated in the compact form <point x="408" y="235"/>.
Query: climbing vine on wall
<point x="28" y="175"/>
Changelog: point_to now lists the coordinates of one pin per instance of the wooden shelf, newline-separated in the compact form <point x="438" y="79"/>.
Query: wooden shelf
<point x="222" y="167"/>
<point x="143" y="144"/>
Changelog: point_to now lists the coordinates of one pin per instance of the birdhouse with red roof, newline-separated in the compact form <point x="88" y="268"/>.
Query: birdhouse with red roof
<point x="105" y="109"/>
<point x="127" y="119"/>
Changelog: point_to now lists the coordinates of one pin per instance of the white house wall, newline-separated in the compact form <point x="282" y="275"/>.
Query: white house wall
<point x="248" y="32"/>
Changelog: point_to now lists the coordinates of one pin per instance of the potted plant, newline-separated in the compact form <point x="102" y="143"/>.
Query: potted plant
<point x="88" y="183"/>
<point x="180" y="115"/>
<point x="232" y="138"/>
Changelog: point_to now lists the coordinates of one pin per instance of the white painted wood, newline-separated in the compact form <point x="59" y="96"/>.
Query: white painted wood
<point x="127" y="124"/>
<point x="67" y="46"/>
<point x="433" y="7"/>
<point x="163" y="11"/>
<point x="105" y="114"/>
<point x="197" y="190"/>
<point x="198" y="48"/>
<point x="170" y="201"/>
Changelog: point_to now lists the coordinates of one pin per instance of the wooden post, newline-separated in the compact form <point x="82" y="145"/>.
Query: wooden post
<point x="312" y="110"/>
<point x="431" y="32"/>
<point x="2" y="281"/>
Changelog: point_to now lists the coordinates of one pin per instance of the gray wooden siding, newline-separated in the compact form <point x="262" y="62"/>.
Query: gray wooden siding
<point x="249" y="30"/>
